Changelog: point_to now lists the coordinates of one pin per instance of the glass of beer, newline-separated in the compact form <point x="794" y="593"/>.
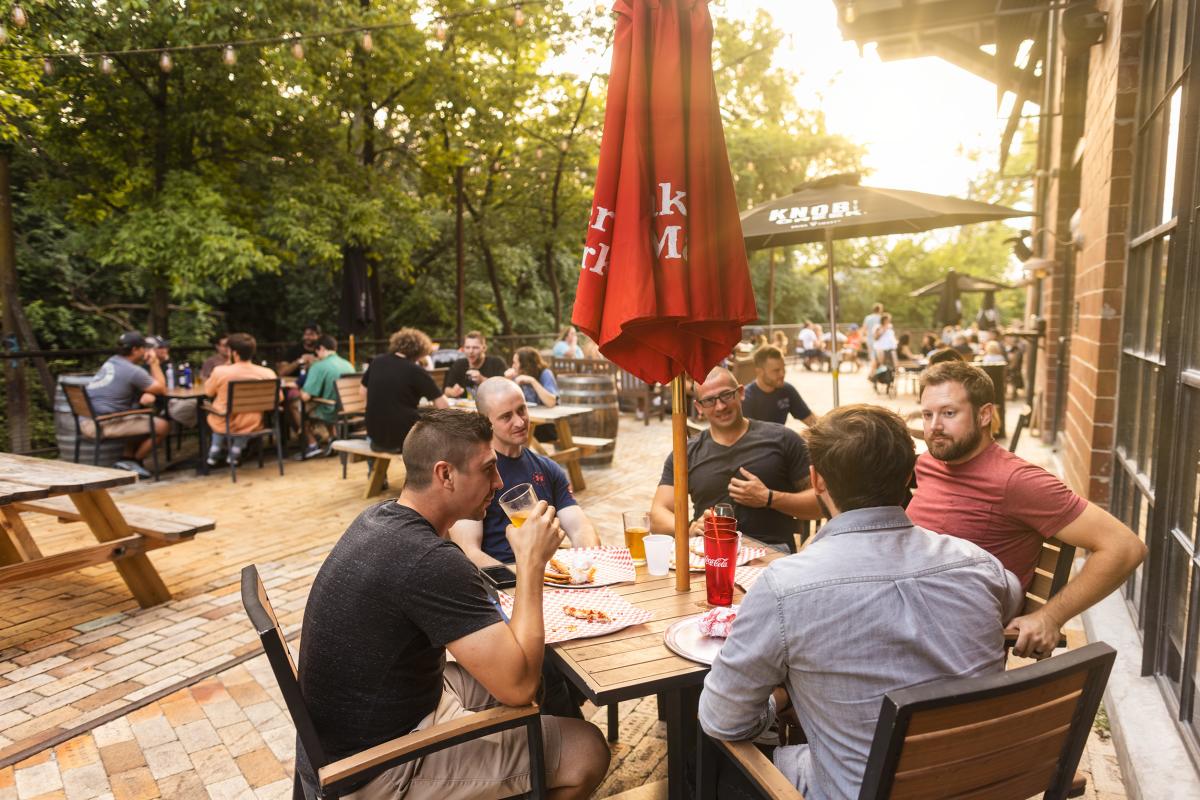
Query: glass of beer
<point x="518" y="503"/>
<point x="637" y="525"/>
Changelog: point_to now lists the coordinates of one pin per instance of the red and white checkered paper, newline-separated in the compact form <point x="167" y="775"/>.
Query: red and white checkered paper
<point x="613" y="565"/>
<point x="562" y="628"/>
<point x="747" y="576"/>
<point x="696" y="563"/>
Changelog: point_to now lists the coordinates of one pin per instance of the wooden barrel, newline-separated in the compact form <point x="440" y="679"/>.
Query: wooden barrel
<point x="64" y="429"/>
<point x="600" y="392"/>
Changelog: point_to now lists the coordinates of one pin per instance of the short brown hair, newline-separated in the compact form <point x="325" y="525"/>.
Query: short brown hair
<point x="944" y="354"/>
<point x="410" y="343"/>
<point x="243" y="344"/>
<point x="442" y="434"/>
<point x="476" y="335"/>
<point x="977" y="383"/>
<point x="865" y="455"/>
<point x="530" y="361"/>
<point x="763" y="353"/>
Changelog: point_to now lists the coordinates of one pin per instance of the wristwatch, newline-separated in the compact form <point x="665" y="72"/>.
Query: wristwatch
<point x="770" y="497"/>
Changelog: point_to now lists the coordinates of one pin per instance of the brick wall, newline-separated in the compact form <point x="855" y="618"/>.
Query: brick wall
<point x="1105" y="196"/>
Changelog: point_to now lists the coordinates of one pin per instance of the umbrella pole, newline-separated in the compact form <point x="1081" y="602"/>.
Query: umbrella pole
<point x="834" y="350"/>
<point x="352" y="361"/>
<point x="683" y="577"/>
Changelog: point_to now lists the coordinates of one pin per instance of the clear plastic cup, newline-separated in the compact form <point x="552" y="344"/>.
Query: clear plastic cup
<point x="659" y="549"/>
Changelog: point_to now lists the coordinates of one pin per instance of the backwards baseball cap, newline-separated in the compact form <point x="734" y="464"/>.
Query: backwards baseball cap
<point x="157" y="341"/>
<point x="131" y="339"/>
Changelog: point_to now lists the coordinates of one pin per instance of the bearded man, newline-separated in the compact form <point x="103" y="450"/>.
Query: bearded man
<point x="969" y="486"/>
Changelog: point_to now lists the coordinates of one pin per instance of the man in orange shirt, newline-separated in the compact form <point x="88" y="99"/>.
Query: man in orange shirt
<point x="243" y="368"/>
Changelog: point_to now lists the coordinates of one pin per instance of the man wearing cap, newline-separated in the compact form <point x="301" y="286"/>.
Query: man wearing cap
<point x="120" y="385"/>
<point x="179" y="409"/>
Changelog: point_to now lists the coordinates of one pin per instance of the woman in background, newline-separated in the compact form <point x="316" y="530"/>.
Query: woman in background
<point x="567" y="345"/>
<point x="534" y="377"/>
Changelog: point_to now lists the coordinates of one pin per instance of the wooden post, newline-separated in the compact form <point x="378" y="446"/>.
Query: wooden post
<point x="683" y="576"/>
<point x="459" y="257"/>
<point x="771" y="293"/>
<point x="352" y="361"/>
<point x="834" y="350"/>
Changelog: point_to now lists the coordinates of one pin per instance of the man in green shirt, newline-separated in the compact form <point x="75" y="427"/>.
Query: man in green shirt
<point x="320" y="394"/>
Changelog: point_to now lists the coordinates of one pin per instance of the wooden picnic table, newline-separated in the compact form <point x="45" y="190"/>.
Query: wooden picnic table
<point x="634" y="662"/>
<point x="126" y="533"/>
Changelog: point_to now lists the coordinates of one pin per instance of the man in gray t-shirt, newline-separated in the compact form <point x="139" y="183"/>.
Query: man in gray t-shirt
<point x="122" y="385"/>
<point x="759" y="467"/>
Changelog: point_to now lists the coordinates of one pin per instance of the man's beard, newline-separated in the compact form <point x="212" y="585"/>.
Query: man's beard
<point x="950" y="450"/>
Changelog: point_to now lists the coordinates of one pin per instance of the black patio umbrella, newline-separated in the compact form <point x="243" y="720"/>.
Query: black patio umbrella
<point x="950" y="288"/>
<point x="838" y="207"/>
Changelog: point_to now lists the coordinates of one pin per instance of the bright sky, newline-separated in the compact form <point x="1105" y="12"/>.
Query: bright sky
<point x="919" y="118"/>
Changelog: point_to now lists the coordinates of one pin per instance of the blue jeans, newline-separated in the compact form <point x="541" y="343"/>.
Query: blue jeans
<point x="219" y="440"/>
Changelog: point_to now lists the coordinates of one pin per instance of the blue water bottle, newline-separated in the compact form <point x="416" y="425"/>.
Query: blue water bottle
<point x="186" y="377"/>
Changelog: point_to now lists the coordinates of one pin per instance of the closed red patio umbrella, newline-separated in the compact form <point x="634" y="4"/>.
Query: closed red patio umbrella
<point x="664" y="285"/>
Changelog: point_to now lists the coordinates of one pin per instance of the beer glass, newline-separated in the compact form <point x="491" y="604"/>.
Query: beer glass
<point x="518" y="503"/>
<point x="637" y="525"/>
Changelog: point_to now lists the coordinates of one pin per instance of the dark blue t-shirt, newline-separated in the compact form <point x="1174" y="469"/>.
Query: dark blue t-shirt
<point x="550" y="483"/>
<point x="774" y="407"/>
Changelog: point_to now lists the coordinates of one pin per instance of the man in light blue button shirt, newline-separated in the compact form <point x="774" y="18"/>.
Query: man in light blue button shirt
<point x="872" y="604"/>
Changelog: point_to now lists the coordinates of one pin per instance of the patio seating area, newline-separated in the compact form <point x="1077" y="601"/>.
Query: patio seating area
<point x="99" y="698"/>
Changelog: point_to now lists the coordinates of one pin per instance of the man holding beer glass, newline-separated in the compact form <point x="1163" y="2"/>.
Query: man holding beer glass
<point x="759" y="467"/>
<point x="485" y="543"/>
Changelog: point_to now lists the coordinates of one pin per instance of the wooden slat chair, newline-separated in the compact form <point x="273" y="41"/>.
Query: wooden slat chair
<point x="350" y="397"/>
<point x="247" y="397"/>
<point x="81" y="408"/>
<point x="1051" y="574"/>
<point x="1015" y="734"/>
<point x="632" y="388"/>
<point x="332" y="778"/>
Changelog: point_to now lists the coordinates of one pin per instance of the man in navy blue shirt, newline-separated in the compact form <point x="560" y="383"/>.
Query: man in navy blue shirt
<point x="485" y="543"/>
<point x="769" y="397"/>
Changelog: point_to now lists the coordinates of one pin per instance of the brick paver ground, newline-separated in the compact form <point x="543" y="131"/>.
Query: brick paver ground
<point x="76" y="648"/>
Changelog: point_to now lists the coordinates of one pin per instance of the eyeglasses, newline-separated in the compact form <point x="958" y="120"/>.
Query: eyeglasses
<point x="726" y="397"/>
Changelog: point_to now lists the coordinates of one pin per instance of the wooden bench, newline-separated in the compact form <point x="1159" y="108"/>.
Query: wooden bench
<point x="169" y="526"/>
<point x="358" y="449"/>
<point x="590" y="444"/>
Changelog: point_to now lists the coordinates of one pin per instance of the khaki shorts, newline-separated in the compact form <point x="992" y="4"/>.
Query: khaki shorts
<point x="491" y="767"/>
<point x="130" y="426"/>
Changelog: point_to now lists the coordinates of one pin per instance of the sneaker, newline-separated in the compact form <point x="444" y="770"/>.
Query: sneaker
<point x="129" y="465"/>
<point x="311" y="451"/>
<point x="213" y="460"/>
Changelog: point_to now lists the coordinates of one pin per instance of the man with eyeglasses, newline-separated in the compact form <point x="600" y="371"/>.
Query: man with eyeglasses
<point x="759" y="467"/>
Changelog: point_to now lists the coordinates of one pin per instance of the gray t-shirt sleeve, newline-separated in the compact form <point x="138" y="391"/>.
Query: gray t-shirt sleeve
<point x="445" y="596"/>
<point x="139" y="378"/>
<point x="796" y="453"/>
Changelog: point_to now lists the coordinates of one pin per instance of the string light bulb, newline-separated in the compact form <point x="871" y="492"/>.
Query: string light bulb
<point x="47" y="67"/>
<point x="518" y="17"/>
<point x="298" y="50"/>
<point x="106" y="65"/>
<point x="848" y="13"/>
<point x="601" y="9"/>
<point x="439" y="30"/>
<point x="18" y="17"/>
<point x="165" y="62"/>
<point x="368" y="42"/>
<point x="229" y="55"/>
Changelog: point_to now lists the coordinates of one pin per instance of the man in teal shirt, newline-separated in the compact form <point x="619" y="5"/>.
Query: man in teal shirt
<point x="320" y="393"/>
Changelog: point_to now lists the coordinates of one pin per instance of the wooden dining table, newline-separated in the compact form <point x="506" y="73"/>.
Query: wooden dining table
<point x="125" y="533"/>
<point x="634" y="662"/>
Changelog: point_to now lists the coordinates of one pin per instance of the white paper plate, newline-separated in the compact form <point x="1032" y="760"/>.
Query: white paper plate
<point x="684" y="638"/>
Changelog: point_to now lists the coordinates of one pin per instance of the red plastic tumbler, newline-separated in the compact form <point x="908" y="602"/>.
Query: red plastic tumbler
<point x="720" y="560"/>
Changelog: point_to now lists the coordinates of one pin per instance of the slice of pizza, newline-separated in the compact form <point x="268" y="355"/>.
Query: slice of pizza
<point x="587" y="614"/>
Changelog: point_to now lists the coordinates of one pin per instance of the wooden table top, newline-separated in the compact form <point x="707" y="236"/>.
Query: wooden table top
<point x="180" y="393"/>
<point x="56" y="477"/>
<point x="634" y="662"/>
<point x="537" y="414"/>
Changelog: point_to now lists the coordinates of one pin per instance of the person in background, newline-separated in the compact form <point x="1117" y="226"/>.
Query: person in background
<point x="296" y="361"/>
<point x="779" y="341"/>
<point x="485" y="543"/>
<point x="885" y="342"/>
<point x="241" y="347"/>
<point x="810" y="346"/>
<point x="850" y="349"/>
<point x="121" y="385"/>
<point x="320" y="395"/>
<point x="180" y="410"/>
<point x="993" y="353"/>
<point x="869" y="324"/>
<point x="929" y="343"/>
<point x="769" y="397"/>
<point x="873" y="604"/>
<point x="467" y="373"/>
<point x="217" y="359"/>
<point x="534" y="377"/>
<point x="567" y="345"/>
<point x="970" y="487"/>
<point x="963" y="346"/>
<point x="903" y="351"/>
<point x="395" y="595"/>
<point x="396" y="382"/>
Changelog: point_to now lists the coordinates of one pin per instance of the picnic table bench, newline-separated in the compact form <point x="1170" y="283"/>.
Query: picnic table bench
<point x="380" y="460"/>
<point x="79" y="492"/>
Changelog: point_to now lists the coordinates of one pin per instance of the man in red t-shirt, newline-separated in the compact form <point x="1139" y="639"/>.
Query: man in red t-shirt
<point x="969" y="486"/>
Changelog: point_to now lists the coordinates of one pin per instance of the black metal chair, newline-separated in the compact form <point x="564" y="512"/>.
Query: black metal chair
<point x="81" y="408"/>
<point x="260" y="396"/>
<point x="1022" y="424"/>
<point x="332" y="778"/>
<point x="1015" y="734"/>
